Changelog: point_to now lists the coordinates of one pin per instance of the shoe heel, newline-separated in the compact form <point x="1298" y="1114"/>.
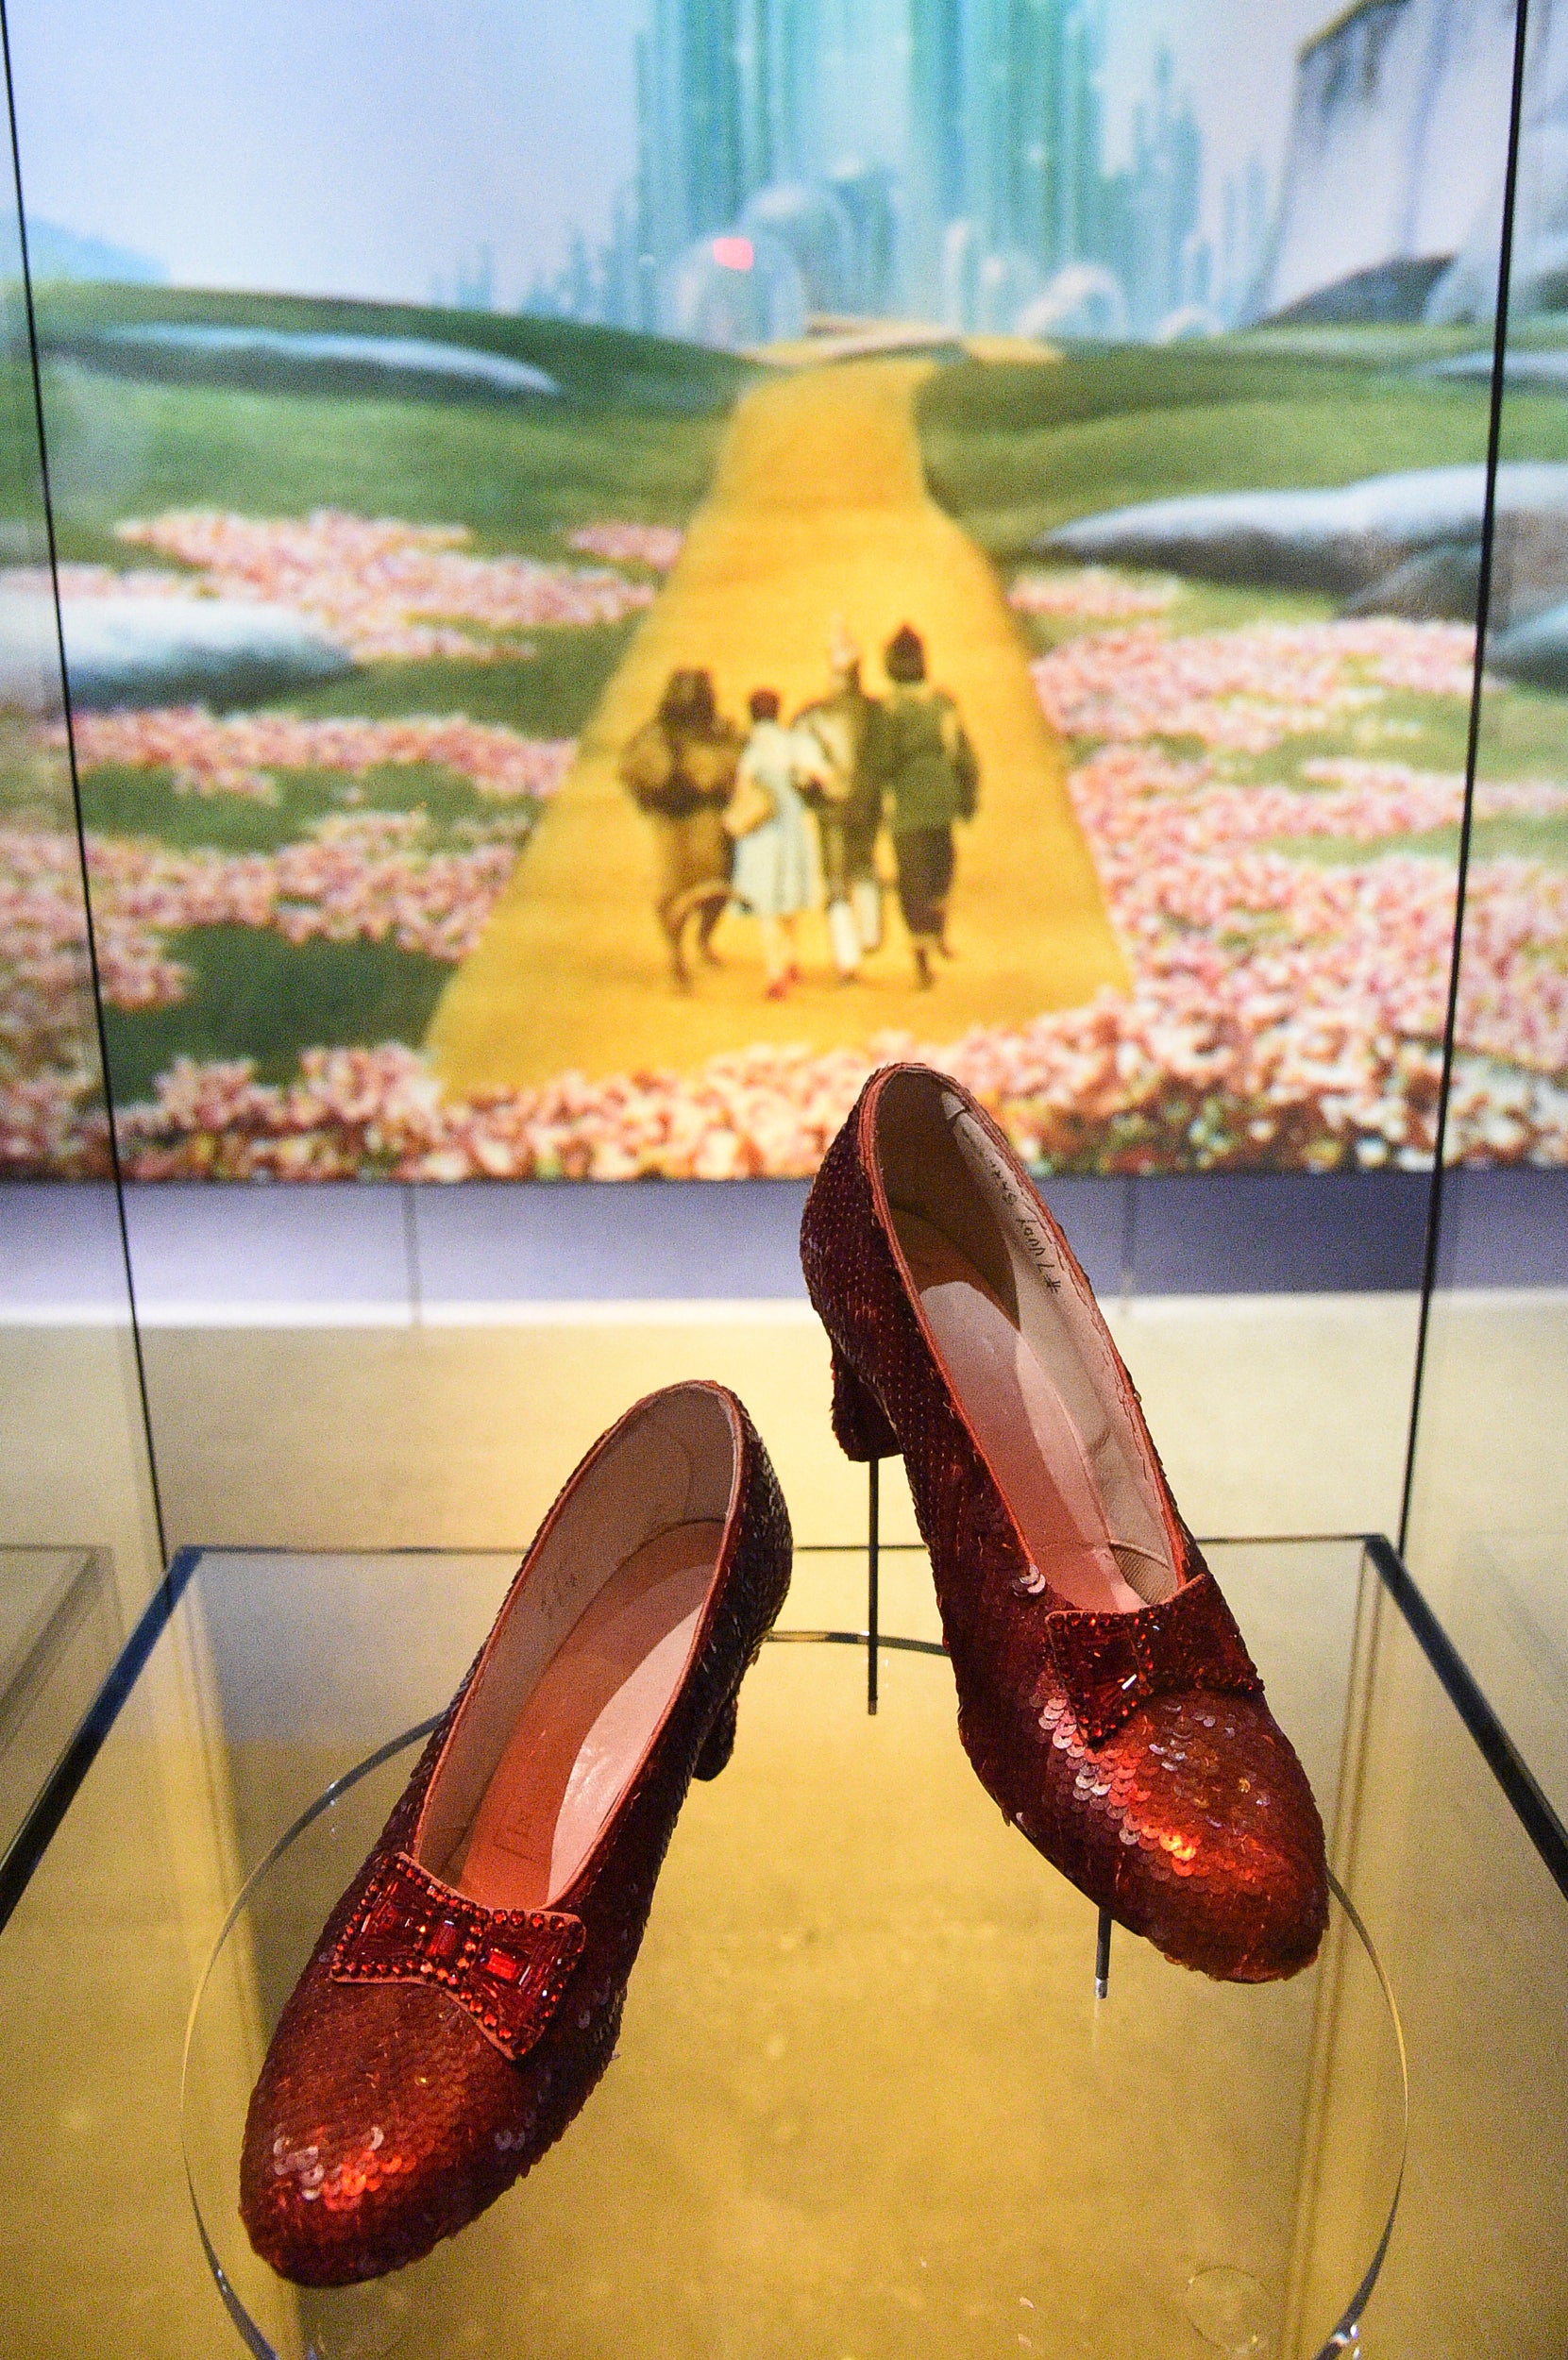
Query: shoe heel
<point x="859" y="1421"/>
<point x="719" y="1743"/>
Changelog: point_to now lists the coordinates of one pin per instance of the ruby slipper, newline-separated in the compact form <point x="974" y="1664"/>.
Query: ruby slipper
<point x="1105" y="1698"/>
<point x="464" y="1996"/>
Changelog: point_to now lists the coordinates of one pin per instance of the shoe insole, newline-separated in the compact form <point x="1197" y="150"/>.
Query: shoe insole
<point x="1034" y="1446"/>
<point x="588" y="1724"/>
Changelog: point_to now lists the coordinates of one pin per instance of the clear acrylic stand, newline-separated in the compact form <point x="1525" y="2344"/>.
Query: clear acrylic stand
<point x="863" y="2102"/>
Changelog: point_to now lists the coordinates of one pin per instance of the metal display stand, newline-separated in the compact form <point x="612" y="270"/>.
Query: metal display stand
<point x="873" y="1646"/>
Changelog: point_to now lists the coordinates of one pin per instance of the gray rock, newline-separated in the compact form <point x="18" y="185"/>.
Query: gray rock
<point x="152" y="651"/>
<point x="1438" y="585"/>
<point x="279" y="356"/>
<point x="1341" y="539"/>
<point x="1396" y="290"/>
<point x="29" y="652"/>
<point x="1535" y="650"/>
<point x="1398" y="133"/>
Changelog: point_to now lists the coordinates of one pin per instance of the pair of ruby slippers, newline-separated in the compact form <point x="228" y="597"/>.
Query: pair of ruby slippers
<point x="465" y="1995"/>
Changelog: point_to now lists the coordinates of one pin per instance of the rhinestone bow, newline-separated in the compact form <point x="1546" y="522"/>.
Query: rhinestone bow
<point x="507" y="1967"/>
<point x="1112" y="1663"/>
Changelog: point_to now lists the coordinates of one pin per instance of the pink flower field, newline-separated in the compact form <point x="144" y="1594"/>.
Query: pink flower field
<point x="362" y="877"/>
<point x="386" y="591"/>
<point x="1288" y="951"/>
<point x="1245" y="690"/>
<point x="234" y="755"/>
<point x="655" y="545"/>
<point x="1090" y="593"/>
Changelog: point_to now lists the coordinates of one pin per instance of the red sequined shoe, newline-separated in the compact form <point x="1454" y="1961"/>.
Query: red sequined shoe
<point x="465" y="1994"/>
<point x="1105" y="1698"/>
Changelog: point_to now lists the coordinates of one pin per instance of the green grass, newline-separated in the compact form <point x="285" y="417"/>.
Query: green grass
<point x="1013" y="451"/>
<point x="518" y="481"/>
<point x="551" y="695"/>
<point x="635" y="434"/>
<point x="1124" y="380"/>
<point x="1198" y="607"/>
<point x="1010" y="451"/>
<point x="132" y="802"/>
<point x="636" y="437"/>
<point x="35" y="781"/>
<point x="21" y="476"/>
<point x="1376" y="343"/>
<point x="1513" y="837"/>
<point x="254" y="995"/>
<point x="1523" y="735"/>
<point x="1009" y="488"/>
<point x="610" y="368"/>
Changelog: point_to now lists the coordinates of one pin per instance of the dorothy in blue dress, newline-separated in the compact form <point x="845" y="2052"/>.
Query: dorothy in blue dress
<point x="775" y="875"/>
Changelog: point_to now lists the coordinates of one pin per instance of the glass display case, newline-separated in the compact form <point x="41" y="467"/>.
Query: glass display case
<point x="81" y="1548"/>
<point x="865" y="2094"/>
<point x="377" y="1120"/>
<point x="1485" y="1509"/>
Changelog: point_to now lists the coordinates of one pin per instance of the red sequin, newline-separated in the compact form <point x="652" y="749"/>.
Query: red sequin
<point x="1134" y="1751"/>
<point x="408" y="2084"/>
<point x="410" y="1927"/>
<point x="1112" y="1663"/>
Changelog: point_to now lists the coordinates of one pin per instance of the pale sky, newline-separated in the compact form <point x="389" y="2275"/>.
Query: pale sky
<point x="1236" y="58"/>
<point x="326" y="146"/>
<point x="369" y="146"/>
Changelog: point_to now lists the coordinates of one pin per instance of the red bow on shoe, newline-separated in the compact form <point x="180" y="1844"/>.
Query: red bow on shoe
<point x="1112" y="1663"/>
<point x="507" y="1967"/>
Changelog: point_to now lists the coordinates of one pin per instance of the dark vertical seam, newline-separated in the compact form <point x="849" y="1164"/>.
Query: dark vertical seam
<point x="59" y="1789"/>
<point x="413" y="1269"/>
<point x="77" y="806"/>
<point x="1473" y="740"/>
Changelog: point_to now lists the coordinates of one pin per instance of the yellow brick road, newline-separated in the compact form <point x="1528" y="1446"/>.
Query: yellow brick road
<point x="818" y="508"/>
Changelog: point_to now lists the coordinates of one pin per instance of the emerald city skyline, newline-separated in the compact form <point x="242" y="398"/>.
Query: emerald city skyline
<point x="945" y="159"/>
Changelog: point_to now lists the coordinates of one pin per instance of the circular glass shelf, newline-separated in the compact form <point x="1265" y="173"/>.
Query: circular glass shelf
<point x="866" y="2105"/>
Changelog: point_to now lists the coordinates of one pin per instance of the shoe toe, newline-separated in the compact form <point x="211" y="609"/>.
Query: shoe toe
<point x="1221" y="1849"/>
<point x="383" y="2120"/>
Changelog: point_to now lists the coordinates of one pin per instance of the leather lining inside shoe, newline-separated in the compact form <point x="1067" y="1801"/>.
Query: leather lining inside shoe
<point x="1025" y="1355"/>
<point x="585" y="1660"/>
<point x="588" y="1724"/>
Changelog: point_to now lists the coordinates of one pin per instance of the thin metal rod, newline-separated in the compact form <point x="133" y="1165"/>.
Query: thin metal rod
<point x="1102" y="1956"/>
<point x="872" y="1573"/>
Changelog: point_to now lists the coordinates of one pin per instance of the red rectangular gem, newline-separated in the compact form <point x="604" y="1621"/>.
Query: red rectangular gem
<point x="500" y="1963"/>
<point x="444" y="1942"/>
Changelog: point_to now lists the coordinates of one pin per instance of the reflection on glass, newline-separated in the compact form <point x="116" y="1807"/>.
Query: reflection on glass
<point x="364" y="599"/>
<point x="52" y="1119"/>
<point x="1474" y="1934"/>
<point x="1489" y="1509"/>
<point x="59" y="1634"/>
<point x="864" y="2099"/>
<point x="78" y="1543"/>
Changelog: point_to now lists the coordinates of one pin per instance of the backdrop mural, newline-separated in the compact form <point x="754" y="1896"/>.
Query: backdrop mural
<point x="702" y="544"/>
